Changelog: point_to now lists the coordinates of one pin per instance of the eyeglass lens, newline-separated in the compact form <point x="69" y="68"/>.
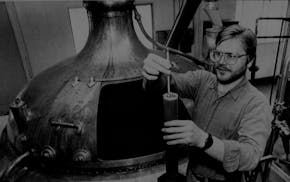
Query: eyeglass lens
<point x="216" y="55"/>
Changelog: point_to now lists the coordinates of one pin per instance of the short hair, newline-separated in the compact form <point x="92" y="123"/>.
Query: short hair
<point x="245" y="35"/>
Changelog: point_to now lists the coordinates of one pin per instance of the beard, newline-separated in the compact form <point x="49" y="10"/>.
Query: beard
<point x="221" y="70"/>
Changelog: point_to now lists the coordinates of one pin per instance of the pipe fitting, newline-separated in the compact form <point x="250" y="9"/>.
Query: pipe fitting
<point x="48" y="152"/>
<point x="82" y="155"/>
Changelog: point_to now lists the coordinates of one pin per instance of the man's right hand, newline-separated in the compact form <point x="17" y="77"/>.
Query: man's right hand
<point x="154" y="65"/>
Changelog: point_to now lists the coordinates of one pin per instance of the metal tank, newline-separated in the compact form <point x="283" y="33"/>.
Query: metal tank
<point x="89" y="114"/>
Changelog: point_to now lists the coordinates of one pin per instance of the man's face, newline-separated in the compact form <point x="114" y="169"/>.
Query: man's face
<point x="228" y="73"/>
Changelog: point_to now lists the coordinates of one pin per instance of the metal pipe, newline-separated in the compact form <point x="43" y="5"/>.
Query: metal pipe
<point x="282" y="82"/>
<point x="13" y="165"/>
<point x="184" y="17"/>
<point x="138" y="19"/>
<point x="273" y="37"/>
<point x="276" y="61"/>
<point x="273" y="18"/>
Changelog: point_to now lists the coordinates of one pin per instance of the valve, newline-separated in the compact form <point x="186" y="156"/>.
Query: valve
<point x="61" y="124"/>
<point x="82" y="155"/>
<point x="48" y="152"/>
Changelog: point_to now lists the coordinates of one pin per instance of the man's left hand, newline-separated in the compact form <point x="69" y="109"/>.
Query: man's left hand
<point x="183" y="132"/>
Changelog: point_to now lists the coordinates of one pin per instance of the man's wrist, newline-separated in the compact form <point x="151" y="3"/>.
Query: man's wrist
<point x="206" y="141"/>
<point x="203" y="139"/>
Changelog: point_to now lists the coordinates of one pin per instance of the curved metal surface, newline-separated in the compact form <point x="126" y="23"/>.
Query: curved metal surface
<point x="109" y="165"/>
<point x="63" y="101"/>
<point x="13" y="165"/>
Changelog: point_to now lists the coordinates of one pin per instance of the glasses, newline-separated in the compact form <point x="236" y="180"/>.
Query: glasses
<point x="229" y="58"/>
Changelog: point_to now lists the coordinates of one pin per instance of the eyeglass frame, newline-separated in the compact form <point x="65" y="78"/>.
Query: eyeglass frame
<point x="233" y="58"/>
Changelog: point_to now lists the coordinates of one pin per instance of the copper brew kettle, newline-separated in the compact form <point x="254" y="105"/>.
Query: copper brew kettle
<point x="90" y="110"/>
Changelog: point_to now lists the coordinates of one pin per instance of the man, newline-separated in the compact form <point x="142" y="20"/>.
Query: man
<point x="231" y="119"/>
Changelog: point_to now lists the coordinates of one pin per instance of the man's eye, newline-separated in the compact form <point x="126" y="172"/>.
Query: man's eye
<point x="230" y="56"/>
<point x="218" y="54"/>
<point x="227" y="55"/>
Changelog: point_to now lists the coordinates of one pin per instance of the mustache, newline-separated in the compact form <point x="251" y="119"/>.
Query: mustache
<point x="221" y="67"/>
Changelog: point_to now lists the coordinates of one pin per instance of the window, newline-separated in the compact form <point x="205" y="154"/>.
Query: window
<point x="247" y="11"/>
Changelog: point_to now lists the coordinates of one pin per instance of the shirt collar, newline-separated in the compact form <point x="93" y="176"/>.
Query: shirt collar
<point x="234" y="92"/>
<point x="237" y="91"/>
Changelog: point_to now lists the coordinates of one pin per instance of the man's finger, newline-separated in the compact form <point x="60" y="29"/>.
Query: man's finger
<point x="178" y="141"/>
<point x="164" y="62"/>
<point x="149" y="77"/>
<point x="175" y="136"/>
<point x="177" y="123"/>
<point x="177" y="129"/>
<point x="160" y="67"/>
<point x="150" y="70"/>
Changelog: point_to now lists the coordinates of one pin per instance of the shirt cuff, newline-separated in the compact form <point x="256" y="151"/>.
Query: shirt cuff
<point x="231" y="155"/>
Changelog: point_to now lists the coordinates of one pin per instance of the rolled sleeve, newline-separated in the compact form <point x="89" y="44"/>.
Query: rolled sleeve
<point x="245" y="153"/>
<point x="231" y="155"/>
<point x="240" y="156"/>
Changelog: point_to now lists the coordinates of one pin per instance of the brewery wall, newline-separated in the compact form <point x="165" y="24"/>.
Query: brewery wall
<point x="47" y="32"/>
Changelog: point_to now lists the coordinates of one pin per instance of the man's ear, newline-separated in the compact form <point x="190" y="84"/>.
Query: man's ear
<point x="249" y="61"/>
<point x="250" y="64"/>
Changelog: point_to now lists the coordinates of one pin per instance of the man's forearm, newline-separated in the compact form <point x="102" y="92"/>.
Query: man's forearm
<point x="217" y="149"/>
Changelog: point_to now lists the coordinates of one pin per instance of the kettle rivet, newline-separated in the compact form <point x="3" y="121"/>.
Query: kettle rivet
<point x="82" y="155"/>
<point x="91" y="82"/>
<point x="76" y="82"/>
<point x="48" y="152"/>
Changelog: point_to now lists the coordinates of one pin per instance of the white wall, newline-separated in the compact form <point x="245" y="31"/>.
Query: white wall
<point x="47" y="32"/>
<point x="247" y="13"/>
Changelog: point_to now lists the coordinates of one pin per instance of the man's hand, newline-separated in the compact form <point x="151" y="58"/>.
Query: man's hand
<point x="183" y="132"/>
<point x="154" y="65"/>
